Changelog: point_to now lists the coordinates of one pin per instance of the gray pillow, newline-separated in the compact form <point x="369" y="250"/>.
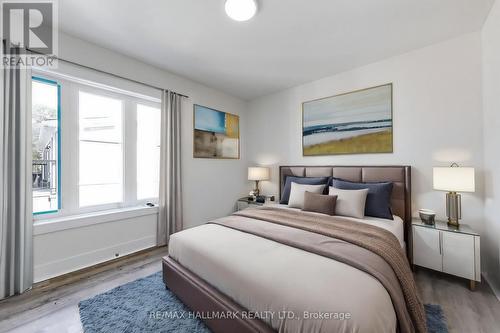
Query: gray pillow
<point x="298" y="191"/>
<point x="319" y="203"/>
<point x="378" y="200"/>
<point x="350" y="202"/>
<point x="285" y="195"/>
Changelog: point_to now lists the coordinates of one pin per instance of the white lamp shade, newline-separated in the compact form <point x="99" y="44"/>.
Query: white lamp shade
<point x="258" y="173"/>
<point x="454" y="179"/>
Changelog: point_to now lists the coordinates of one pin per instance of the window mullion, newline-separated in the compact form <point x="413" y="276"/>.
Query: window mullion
<point x="130" y="153"/>
<point x="72" y="150"/>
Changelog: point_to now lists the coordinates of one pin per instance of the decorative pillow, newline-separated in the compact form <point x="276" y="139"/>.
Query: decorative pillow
<point x="301" y="180"/>
<point x="297" y="193"/>
<point x="319" y="203"/>
<point x="378" y="200"/>
<point x="350" y="202"/>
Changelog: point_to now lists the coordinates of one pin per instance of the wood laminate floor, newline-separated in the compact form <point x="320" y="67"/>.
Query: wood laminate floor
<point x="468" y="311"/>
<point x="54" y="307"/>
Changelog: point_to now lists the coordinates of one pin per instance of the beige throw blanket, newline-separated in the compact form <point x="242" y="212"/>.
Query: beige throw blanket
<point x="368" y="248"/>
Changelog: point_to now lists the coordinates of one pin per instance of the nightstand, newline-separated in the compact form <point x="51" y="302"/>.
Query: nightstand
<point x="447" y="249"/>
<point x="244" y="202"/>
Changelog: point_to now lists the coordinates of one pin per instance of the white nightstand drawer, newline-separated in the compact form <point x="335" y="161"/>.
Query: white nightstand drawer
<point x="458" y="255"/>
<point x="427" y="248"/>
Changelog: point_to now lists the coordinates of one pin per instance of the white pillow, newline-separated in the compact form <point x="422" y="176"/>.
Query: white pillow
<point x="298" y="191"/>
<point x="350" y="202"/>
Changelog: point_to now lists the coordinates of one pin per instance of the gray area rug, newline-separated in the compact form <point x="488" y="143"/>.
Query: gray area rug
<point x="145" y="306"/>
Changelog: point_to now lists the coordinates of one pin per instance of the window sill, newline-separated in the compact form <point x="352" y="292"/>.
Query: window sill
<point x="50" y="225"/>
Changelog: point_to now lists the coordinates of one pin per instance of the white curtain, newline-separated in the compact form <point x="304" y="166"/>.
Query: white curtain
<point x="170" y="201"/>
<point x="16" y="225"/>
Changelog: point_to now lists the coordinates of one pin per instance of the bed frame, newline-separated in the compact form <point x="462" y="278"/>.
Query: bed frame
<point x="201" y="297"/>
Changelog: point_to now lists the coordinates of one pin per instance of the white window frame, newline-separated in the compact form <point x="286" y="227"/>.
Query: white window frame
<point x="150" y="104"/>
<point x="70" y="145"/>
<point x="102" y="93"/>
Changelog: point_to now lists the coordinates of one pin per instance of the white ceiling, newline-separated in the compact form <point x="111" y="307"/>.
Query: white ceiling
<point x="287" y="43"/>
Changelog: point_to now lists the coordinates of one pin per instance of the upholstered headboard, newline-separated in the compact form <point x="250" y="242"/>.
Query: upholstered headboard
<point x="399" y="175"/>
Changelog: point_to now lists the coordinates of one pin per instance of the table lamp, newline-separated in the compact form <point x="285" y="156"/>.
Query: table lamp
<point x="257" y="174"/>
<point x="453" y="179"/>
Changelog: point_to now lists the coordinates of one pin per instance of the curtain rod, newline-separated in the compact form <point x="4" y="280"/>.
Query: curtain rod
<point x="107" y="73"/>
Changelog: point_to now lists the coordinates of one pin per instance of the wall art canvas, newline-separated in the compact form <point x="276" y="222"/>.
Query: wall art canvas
<point x="359" y="122"/>
<point x="216" y="134"/>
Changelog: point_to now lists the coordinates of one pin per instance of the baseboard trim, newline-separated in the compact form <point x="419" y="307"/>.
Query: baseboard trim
<point x="494" y="288"/>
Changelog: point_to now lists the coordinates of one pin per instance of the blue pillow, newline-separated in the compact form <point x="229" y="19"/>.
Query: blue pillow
<point x="285" y="195"/>
<point x="378" y="200"/>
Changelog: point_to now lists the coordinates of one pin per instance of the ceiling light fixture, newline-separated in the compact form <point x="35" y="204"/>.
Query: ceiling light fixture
<point x="240" y="10"/>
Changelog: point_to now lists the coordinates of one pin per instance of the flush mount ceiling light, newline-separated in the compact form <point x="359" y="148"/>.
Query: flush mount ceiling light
<point x="241" y="10"/>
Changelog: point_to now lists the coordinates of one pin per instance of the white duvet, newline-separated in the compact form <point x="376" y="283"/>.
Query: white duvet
<point x="290" y="289"/>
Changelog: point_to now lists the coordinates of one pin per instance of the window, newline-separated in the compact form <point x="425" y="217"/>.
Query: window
<point x="45" y="145"/>
<point x="101" y="160"/>
<point x="148" y="151"/>
<point x="107" y="138"/>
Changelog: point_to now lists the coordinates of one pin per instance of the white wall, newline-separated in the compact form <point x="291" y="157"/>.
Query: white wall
<point x="210" y="187"/>
<point x="491" y="109"/>
<point x="77" y="243"/>
<point x="437" y="119"/>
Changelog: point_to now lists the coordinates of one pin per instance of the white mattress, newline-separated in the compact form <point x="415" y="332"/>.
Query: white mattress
<point x="268" y="277"/>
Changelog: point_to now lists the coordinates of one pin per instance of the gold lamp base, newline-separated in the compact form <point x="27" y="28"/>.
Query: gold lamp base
<point x="256" y="191"/>
<point x="453" y="223"/>
<point x="453" y="208"/>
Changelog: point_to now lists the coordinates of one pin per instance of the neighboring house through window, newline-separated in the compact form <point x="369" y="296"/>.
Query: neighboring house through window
<point x="45" y="145"/>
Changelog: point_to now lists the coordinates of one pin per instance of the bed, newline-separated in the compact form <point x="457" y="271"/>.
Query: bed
<point x="243" y="274"/>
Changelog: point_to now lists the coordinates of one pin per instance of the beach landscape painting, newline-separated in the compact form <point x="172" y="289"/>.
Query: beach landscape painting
<point x="216" y="134"/>
<point x="358" y="122"/>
